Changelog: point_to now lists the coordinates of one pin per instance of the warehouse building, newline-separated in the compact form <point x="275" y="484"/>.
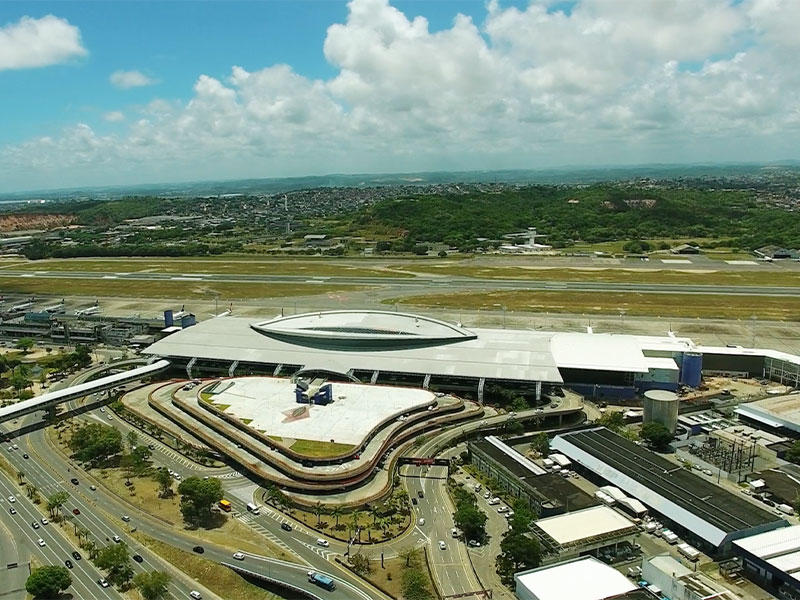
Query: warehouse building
<point x="583" y="578"/>
<point x="704" y="514"/>
<point x="546" y="493"/>
<point x="778" y="413"/>
<point x="772" y="560"/>
<point x="598" y="530"/>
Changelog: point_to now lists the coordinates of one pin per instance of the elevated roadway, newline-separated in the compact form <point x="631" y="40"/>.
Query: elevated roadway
<point x="51" y="399"/>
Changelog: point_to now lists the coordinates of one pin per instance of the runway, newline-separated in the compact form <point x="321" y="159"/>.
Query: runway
<point x="419" y="284"/>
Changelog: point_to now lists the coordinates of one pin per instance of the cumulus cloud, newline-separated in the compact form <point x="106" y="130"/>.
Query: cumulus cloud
<point x="114" y="116"/>
<point x="609" y="81"/>
<point x="125" y="80"/>
<point x="30" y="43"/>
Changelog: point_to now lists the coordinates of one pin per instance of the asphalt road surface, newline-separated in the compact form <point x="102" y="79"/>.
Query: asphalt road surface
<point x="423" y="282"/>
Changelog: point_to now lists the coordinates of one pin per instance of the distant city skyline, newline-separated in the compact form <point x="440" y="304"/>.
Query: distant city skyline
<point x="112" y="93"/>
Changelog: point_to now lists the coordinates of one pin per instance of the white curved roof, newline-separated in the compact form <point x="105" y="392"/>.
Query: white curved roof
<point x="491" y="353"/>
<point x="346" y="328"/>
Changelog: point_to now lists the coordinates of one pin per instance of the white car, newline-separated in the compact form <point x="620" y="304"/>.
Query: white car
<point x="102" y="409"/>
<point x="102" y="582"/>
<point x="421" y="522"/>
<point x="12" y="499"/>
<point x="110" y="418"/>
<point x="44" y="521"/>
<point x="487" y="495"/>
<point x="116" y="539"/>
<point x="195" y="594"/>
<point x="442" y="545"/>
<point x="323" y="543"/>
<point x="41" y="542"/>
<point x="238" y="556"/>
<point x="15" y="447"/>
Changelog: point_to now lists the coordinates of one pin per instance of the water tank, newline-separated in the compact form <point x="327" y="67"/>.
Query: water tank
<point x="691" y="369"/>
<point x="661" y="406"/>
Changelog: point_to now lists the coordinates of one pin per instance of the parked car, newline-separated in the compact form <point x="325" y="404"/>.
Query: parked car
<point x="12" y="510"/>
<point x="76" y="511"/>
<point x="74" y="481"/>
<point x="420" y="494"/>
<point x="442" y="545"/>
<point x="41" y="542"/>
<point x="102" y="582"/>
<point x="116" y="539"/>
<point x="68" y="563"/>
<point x="35" y="525"/>
<point x="76" y="555"/>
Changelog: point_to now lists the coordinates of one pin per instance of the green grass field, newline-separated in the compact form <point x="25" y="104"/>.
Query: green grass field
<point x="613" y="275"/>
<point x="220" y="265"/>
<point x="122" y="288"/>
<point x="317" y="449"/>
<point x="611" y="303"/>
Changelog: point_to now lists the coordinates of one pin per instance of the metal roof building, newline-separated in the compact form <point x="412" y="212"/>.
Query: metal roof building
<point x="368" y="341"/>
<point x="699" y="509"/>
<point x="772" y="559"/>
<point x="779" y="412"/>
<point x="371" y="343"/>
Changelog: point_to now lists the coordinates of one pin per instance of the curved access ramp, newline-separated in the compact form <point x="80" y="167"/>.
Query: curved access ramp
<point x="52" y="399"/>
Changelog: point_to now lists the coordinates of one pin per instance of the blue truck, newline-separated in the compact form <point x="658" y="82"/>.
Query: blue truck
<point x="322" y="581"/>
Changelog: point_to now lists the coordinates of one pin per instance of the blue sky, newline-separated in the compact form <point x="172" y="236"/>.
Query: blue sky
<point x="366" y="87"/>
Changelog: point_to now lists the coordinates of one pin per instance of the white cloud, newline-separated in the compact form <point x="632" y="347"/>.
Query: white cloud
<point x="31" y="43"/>
<point x="114" y="116"/>
<point x="130" y="79"/>
<point x="613" y="81"/>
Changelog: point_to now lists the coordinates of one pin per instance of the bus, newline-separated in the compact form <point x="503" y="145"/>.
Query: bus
<point x="321" y="580"/>
<point x="225" y="505"/>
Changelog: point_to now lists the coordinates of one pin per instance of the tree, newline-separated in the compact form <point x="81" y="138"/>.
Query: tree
<point x="115" y="559"/>
<point x="656" y="434"/>
<point x="95" y="441"/>
<point x="420" y="250"/>
<point x="55" y="502"/>
<point x="133" y="439"/>
<point x="19" y="381"/>
<point x="164" y="481"/>
<point x="793" y="453"/>
<point x="442" y="254"/>
<point x="318" y="510"/>
<point x="513" y="427"/>
<point x="25" y="344"/>
<point x="357" y="514"/>
<point x="541" y="444"/>
<point x="613" y="420"/>
<point x="48" y="582"/>
<point x="361" y="564"/>
<point x="471" y="520"/>
<point x="517" y="552"/>
<point x="20" y="477"/>
<point x="152" y="585"/>
<point x="519" y="403"/>
<point x="336" y="512"/>
<point x="198" y="496"/>
<point x="140" y="459"/>
<point x="383" y="246"/>
<point x="414" y="585"/>
<point x="410" y="554"/>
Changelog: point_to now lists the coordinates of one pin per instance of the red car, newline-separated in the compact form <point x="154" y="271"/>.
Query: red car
<point x="75" y="511"/>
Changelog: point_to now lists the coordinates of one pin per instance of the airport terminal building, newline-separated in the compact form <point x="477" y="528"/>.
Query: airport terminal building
<point x="405" y="349"/>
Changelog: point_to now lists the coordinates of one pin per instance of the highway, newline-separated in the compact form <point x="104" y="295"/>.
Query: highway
<point x="423" y="283"/>
<point x="101" y="512"/>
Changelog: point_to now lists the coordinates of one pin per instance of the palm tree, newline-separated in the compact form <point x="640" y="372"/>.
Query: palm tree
<point x="374" y="513"/>
<point x="409" y="554"/>
<point x="20" y="476"/>
<point x="336" y="512"/>
<point x="318" y="511"/>
<point x="357" y="514"/>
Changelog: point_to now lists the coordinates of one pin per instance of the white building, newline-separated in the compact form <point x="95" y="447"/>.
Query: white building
<point x="583" y="578"/>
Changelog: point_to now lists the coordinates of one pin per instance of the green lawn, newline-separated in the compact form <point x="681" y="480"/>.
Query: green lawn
<point x="317" y="449"/>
